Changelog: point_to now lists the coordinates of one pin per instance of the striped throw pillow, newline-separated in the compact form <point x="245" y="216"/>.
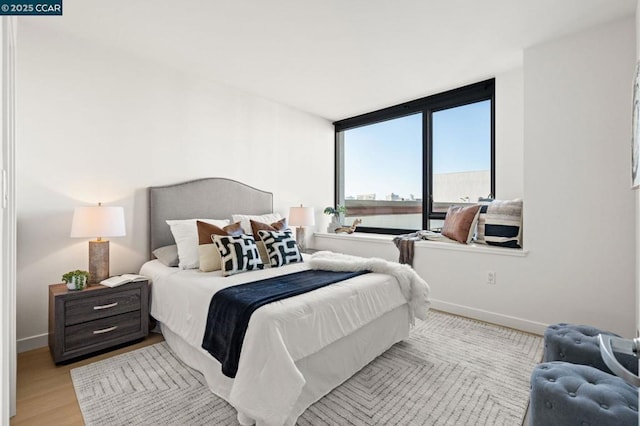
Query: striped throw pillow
<point x="484" y="203"/>
<point x="500" y="223"/>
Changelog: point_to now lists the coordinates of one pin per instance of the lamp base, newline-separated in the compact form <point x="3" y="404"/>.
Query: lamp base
<point x="98" y="261"/>
<point x="300" y="238"/>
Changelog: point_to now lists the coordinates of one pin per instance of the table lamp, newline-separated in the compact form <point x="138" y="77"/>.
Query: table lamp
<point x="98" y="221"/>
<point x="301" y="217"/>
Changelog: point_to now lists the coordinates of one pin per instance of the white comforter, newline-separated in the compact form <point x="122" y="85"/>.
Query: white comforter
<point x="414" y="289"/>
<point x="268" y="383"/>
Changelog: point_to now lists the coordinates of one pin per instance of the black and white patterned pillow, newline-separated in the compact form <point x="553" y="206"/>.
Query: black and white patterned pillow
<point x="281" y="247"/>
<point x="237" y="254"/>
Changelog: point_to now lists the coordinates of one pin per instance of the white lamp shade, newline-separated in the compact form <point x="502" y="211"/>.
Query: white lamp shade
<point x="301" y="216"/>
<point x="98" y="221"/>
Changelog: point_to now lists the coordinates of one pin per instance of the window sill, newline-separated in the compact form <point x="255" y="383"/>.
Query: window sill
<point x="440" y="245"/>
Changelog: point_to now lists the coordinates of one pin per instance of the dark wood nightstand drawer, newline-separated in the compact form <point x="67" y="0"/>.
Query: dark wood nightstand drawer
<point x="101" y="306"/>
<point x="96" y="318"/>
<point x="102" y="330"/>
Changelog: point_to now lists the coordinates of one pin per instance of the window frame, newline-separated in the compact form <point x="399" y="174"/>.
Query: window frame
<point x="472" y="93"/>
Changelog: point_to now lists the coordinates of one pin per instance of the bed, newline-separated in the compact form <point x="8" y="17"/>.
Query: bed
<point x="295" y="350"/>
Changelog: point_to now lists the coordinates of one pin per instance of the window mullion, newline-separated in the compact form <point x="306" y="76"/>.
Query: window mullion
<point x="427" y="198"/>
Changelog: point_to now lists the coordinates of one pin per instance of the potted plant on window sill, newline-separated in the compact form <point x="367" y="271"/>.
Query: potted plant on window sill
<point x="336" y="214"/>
<point x="76" y="280"/>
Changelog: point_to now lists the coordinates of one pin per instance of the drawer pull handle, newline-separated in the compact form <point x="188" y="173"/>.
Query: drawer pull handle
<point x="105" y="330"/>
<point x="110" y="305"/>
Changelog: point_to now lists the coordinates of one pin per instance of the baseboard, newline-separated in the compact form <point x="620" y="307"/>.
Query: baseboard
<point x="492" y="317"/>
<point x="33" y="342"/>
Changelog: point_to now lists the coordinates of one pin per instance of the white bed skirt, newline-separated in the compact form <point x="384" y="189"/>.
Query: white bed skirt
<point x="322" y="371"/>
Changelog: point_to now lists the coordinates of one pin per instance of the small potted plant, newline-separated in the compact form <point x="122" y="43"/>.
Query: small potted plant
<point x="335" y="216"/>
<point x="76" y="280"/>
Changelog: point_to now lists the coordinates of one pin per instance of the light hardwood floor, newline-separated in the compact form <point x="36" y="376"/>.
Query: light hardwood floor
<point x="45" y="394"/>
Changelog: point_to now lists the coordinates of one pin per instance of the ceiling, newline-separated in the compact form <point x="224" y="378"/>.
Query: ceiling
<point x="334" y="58"/>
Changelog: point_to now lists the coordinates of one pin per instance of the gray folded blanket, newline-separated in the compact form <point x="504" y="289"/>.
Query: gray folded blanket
<point x="405" y="243"/>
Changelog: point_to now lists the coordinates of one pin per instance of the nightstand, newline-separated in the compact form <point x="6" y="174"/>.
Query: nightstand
<point x="96" y="318"/>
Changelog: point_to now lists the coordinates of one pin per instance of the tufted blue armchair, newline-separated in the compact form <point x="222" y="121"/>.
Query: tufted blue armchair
<point x="578" y="344"/>
<point x="573" y="386"/>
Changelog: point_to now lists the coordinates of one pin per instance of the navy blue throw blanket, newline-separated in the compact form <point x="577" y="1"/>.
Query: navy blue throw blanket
<point x="231" y="308"/>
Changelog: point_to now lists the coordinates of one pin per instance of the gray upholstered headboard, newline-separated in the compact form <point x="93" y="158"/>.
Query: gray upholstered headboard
<point x="210" y="198"/>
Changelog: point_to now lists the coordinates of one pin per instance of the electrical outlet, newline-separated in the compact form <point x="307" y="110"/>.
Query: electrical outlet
<point x="491" y="277"/>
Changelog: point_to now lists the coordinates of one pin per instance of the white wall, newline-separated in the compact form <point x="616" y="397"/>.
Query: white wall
<point x="97" y="125"/>
<point x="578" y="94"/>
<point x="572" y="104"/>
<point x="509" y="134"/>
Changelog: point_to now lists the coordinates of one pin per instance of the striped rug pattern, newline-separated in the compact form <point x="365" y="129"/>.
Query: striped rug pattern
<point x="451" y="371"/>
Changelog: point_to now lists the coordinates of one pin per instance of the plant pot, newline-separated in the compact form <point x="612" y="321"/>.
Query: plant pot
<point x="77" y="283"/>
<point x="334" y="224"/>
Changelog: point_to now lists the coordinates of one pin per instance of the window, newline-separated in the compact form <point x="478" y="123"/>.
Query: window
<point x="399" y="169"/>
<point x="374" y="189"/>
<point x="461" y="154"/>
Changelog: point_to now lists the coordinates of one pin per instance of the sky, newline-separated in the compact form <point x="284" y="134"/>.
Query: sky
<point x="386" y="157"/>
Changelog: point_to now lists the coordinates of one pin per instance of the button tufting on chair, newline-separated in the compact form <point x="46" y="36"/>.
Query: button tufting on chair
<point x="578" y="344"/>
<point x="573" y="394"/>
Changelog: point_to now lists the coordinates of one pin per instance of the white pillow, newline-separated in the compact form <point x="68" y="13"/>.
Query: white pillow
<point x="245" y="218"/>
<point x="185" y="233"/>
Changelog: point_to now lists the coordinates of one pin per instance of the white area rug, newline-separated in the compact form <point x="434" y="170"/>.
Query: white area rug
<point x="451" y="371"/>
